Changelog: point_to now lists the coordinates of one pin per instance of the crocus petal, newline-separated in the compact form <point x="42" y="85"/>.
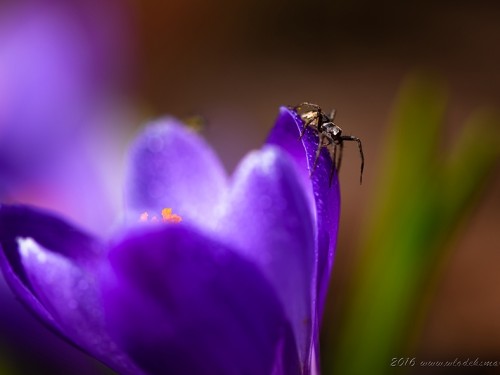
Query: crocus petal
<point x="268" y="219"/>
<point x="25" y="295"/>
<point x="182" y="303"/>
<point x="48" y="230"/>
<point x="326" y="198"/>
<point x="286" y="357"/>
<point x="285" y="134"/>
<point x="57" y="283"/>
<point x="172" y="167"/>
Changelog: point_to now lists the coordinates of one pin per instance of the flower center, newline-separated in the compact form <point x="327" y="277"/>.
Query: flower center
<point x="166" y="216"/>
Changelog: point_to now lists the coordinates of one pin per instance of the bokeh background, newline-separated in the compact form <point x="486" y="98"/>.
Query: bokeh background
<point x="79" y="78"/>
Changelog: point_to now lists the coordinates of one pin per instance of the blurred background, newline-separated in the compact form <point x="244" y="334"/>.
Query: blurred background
<point x="416" y="271"/>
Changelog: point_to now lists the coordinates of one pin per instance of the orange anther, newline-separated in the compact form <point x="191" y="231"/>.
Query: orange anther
<point x="166" y="216"/>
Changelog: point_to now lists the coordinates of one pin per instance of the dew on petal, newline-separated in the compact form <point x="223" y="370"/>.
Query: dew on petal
<point x="155" y="189"/>
<point x="72" y="304"/>
<point x="155" y="144"/>
<point x="83" y="285"/>
<point x="265" y="202"/>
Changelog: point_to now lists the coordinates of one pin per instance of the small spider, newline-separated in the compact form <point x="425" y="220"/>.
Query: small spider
<point x="330" y="135"/>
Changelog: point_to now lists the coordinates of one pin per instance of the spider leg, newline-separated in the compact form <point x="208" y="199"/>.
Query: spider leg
<point x="332" y="170"/>
<point x="356" y="139"/>
<point x="316" y="107"/>
<point x="332" y="114"/>
<point x="318" y="151"/>
<point x="306" y="124"/>
<point x="339" y="160"/>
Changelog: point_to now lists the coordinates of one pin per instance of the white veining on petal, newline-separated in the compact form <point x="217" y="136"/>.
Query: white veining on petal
<point x="28" y="247"/>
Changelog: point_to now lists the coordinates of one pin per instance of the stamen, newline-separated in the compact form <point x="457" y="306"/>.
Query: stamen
<point x="166" y="217"/>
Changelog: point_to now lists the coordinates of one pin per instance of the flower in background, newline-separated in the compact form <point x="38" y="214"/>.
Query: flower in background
<point x="58" y="115"/>
<point x="57" y="77"/>
<point x="232" y="280"/>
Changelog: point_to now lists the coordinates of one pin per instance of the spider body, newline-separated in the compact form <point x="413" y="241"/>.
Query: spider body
<point x="329" y="134"/>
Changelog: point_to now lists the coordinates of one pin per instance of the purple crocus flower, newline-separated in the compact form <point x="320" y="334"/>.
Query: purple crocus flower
<point x="233" y="282"/>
